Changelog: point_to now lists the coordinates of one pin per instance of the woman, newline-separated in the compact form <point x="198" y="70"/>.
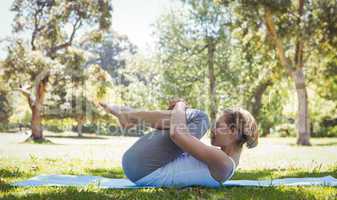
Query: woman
<point x="173" y="156"/>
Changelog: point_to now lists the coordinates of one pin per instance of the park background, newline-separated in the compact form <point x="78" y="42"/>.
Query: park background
<point x="276" y="59"/>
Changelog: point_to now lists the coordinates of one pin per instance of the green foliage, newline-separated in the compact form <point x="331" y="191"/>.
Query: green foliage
<point x="111" y="54"/>
<point x="22" y="67"/>
<point x="242" y="62"/>
<point x="285" y="130"/>
<point x="89" y="62"/>
<point x="311" y="26"/>
<point x="58" y="125"/>
<point x="48" y="54"/>
<point x="183" y="37"/>
<point x="5" y="107"/>
<point x="273" y="114"/>
<point x="326" y="131"/>
<point x="328" y="80"/>
<point x="143" y="77"/>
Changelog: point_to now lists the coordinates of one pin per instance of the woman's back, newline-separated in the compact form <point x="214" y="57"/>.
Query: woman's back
<point x="183" y="171"/>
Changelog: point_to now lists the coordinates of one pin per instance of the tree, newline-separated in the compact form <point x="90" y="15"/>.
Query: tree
<point x="74" y="94"/>
<point x="143" y="77"/>
<point x="294" y="28"/>
<point x="52" y="26"/>
<point x="326" y="82"/>
<point x="111" y="54"/>
<point x="189" y="40"/>
<point x="254" y="74"/>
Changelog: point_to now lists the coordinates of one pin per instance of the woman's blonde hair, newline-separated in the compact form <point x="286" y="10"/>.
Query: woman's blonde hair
<point x="245" y="124"/>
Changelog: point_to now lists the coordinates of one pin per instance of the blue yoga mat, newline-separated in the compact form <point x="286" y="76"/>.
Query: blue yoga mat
<point x="101" y="182"/>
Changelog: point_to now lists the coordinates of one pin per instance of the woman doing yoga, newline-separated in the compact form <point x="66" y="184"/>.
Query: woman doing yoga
<point x="172" y="155"/>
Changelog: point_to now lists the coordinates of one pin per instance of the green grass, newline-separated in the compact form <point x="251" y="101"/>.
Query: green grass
<point x="16" y="169"/>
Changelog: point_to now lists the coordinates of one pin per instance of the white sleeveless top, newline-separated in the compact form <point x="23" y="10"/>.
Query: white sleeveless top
<point x="183" y="171"/>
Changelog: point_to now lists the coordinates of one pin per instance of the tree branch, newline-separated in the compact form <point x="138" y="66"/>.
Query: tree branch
<point x="76" y="26"/>
<point x="277" y="42"/>
<point x="37" y="18"/>
<point x="201" y="49"/>
<point x="298" y="60"/>
<point x="40" y="79"/>
<point x="256" y="97"/>
<point x="27" y="94"/>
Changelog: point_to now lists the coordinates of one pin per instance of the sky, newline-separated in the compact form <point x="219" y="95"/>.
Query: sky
<point x="130" y="17"/>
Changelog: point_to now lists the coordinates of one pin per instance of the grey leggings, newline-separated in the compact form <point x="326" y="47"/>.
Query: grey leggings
<point x="155" y="149"/>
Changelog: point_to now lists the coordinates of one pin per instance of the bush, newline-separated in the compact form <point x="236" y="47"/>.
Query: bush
<point x="326" y="132"/>
<point x="57" y="125"/>
<point x="12" y="127"/>
<point x="285" y="130"/>
<point x="86" y="128"/>
<point x="53" y="128"/>
<point x="3" y="127"/>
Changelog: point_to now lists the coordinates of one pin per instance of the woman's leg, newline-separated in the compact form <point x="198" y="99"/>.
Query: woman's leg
<point x="156" y="148"/>
<point x="129" y="117"/>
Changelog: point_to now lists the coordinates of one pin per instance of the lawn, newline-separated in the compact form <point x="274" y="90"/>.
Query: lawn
<point x="273" y="158"/>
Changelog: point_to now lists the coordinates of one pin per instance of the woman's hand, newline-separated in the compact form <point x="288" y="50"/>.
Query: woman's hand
<point x="173" y="103"/>
<point x="120" y="112"/>
<point x="180" y="105"/>
<point x="178" y="119"/>
<point x="104" y="106"/>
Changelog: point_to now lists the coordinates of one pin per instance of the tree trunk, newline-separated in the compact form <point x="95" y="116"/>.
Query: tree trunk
<point x="257" y="97"/>
<point x="80" y="123"/>
<point x="79" y="129"/>
<point x="295" y="70"/>
<point x="212" y="82"/>
<point x="303" y="123"/>
<point x="36" y="106"/>
<point x="257" y="102"/>
<point x="37" y="131"/>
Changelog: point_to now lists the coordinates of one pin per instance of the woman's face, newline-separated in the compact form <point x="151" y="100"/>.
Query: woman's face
<point x="221" y="134"/>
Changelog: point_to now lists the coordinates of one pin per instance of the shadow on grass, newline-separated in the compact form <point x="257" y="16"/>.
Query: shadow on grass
<point x="30" y="140"/>
<point x="256" y="174"/>
<point x="92" y="193"/>
<point x="315" y="145"/>
<point x="313" y="173"/>
<point x="107" y="172"/>
<point x="326" y="144"/>
<point x="273" y="173"/>
<point x="5" y="187"/>
<point x="165" y="193"/>
<point x="76" y="137"/>
<point x="12" y="173"/>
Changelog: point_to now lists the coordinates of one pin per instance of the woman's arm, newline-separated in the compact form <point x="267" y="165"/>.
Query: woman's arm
<point x="129" y="117"/>
<point x="217" y="161"/>
<point x="156" y="119"/>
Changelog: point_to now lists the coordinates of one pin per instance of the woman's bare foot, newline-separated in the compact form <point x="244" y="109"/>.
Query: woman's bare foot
<point x="120" y="113"/>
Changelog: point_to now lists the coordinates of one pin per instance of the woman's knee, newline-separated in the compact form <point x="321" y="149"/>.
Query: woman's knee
<point x="149" y="153"/>
<point x="129" y="165"/>
<point x="134" y="160"/>
<point x="198" y="122"/>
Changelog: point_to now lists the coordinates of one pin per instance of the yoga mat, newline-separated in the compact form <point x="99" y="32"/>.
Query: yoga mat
<point x="101" y="182"/>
